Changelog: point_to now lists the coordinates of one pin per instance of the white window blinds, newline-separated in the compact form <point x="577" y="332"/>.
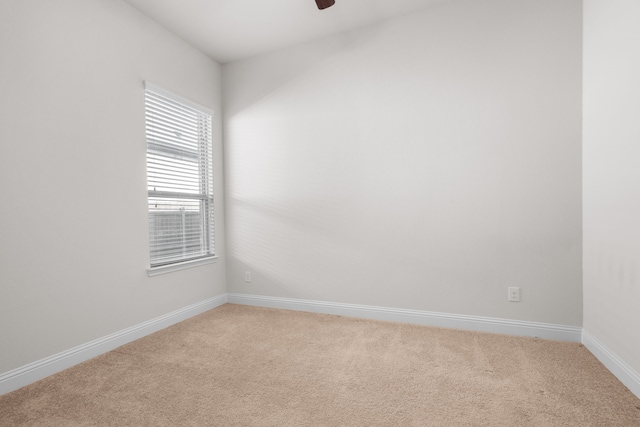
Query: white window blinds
<point x="179" y="178"/>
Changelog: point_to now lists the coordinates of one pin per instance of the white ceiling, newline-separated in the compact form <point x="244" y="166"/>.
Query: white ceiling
<point x="229" y="30"/>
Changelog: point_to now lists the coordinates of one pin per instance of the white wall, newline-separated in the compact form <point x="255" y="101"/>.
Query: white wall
<point x="426" y="163"/>
<point x="73" y="221"/>
<point x="611" y="162"/>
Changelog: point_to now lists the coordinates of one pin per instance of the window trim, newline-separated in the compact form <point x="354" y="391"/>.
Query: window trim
<point x="168" y="94"/>
<point x="212" y="257"/>
<point x="169" y="268"/>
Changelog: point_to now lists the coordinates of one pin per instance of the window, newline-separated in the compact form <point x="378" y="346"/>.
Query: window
<point x="179" y="178"/>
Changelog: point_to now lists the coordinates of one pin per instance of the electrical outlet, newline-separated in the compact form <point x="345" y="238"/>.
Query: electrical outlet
<point x="247" y="276"/>
<point x="514" y="294"/>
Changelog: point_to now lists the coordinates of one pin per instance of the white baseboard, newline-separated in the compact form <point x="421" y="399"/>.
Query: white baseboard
<point x="38" y="370"/>
<point x="35" y="371"/>
<point x="625" y="373"/>
<point x="455" y="321"/>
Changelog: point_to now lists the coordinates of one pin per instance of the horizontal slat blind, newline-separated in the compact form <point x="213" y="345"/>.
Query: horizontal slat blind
<point x="179" y="179"/>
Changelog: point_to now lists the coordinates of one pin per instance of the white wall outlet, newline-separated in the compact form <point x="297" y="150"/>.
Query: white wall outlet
<point x="247" y="276"/>
<point x="514" y="294"/>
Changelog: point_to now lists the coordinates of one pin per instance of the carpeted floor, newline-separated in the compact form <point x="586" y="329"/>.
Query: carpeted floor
<point x="247" y="366"/>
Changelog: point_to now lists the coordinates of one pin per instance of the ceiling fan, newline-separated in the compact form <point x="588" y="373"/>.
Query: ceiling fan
<point x="323" y="4"/>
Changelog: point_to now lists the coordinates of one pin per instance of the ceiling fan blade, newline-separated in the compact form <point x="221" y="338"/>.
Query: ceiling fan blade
<point x="323" y="4"/>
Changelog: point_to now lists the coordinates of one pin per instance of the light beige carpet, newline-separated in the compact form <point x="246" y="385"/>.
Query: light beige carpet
<point x="246" y="366"/>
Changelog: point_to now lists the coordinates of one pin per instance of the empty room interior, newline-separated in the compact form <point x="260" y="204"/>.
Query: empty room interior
<point x="463" y="164"/>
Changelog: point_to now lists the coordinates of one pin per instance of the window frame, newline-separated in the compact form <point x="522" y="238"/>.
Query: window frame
<point x="201" y="154"/>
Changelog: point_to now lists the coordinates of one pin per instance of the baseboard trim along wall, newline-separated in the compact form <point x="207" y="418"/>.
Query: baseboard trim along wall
<point x="625" y="373"/>
<point x="40" y="369"/>
<point x="444" y="320"/>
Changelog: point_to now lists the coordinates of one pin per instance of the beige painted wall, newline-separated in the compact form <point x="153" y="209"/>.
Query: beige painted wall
<point x="426" y="163"/>
<point x="612" y="176"/>
<point x="73" y="221"/>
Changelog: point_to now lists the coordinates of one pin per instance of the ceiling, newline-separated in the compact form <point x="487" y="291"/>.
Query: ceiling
<point x="230" y="30"/>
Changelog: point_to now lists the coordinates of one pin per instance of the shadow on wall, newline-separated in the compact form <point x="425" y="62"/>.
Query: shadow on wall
<point x="288" y="254"/>
<point x="281" y="69"/>
<point x="267" y="247"/>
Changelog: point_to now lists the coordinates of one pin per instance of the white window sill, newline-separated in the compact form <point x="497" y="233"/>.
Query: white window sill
<point x="163" y="269"/>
